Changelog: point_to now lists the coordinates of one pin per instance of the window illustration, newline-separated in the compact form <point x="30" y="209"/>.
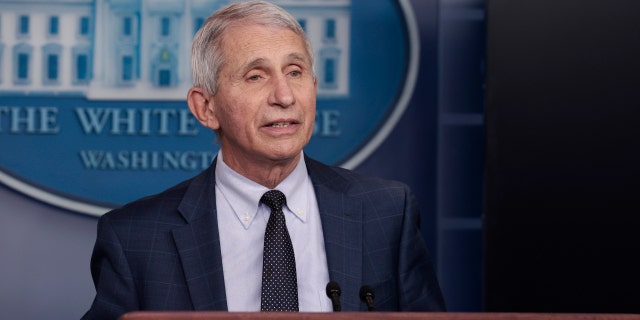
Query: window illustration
<point x="81" y="65"/>
<point x="51" y="64"/>
<point x="22" y="57"/>
<point x="330" y="30"/>
<point x="23" y="66"/>
<point x="54" y="25"/>
<point x="329" y="61"/>
<point x="83" y="29"/>
<point x="127" y="68"/>
<point x="329" y="71"/>
<point x="164" y="66"/>
<point x="52" y="67"/>
<point x="165" y="26"/>
<point x="23" y="26"/>
<point x="127" y="26"/>
<point x="164" y="78"/>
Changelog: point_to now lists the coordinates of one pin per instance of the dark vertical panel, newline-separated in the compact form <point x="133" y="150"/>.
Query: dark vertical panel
<point x="461" y="59"/>
<point x="563" y="161"/>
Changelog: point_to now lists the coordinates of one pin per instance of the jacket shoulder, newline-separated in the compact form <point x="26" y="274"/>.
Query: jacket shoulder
<point x="350" y="181"/>
<point x="152" y="207"/>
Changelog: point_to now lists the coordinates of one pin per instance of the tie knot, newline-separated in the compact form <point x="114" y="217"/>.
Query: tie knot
<point x="274" y="199"/>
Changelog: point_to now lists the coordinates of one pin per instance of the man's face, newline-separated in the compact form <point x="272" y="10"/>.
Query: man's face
<point x="265" y="105"/>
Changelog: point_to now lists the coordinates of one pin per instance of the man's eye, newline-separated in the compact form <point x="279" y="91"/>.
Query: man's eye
<point x="254" y="78"/>
<point x="295" y="73"/>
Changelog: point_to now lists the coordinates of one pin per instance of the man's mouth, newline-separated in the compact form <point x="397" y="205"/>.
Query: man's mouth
<point x="280" y="124"/>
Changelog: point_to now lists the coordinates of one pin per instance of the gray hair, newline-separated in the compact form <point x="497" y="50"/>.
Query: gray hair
<point x="207" y="55"/>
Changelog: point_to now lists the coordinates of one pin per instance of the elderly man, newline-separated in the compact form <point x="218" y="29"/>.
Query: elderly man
<point x="265" y="227"/>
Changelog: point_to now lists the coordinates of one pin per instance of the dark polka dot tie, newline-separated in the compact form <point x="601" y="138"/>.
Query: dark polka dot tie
<point x="279" y="283"/>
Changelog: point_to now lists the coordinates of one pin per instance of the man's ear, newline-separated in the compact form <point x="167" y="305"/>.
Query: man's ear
<point x="201" y="106"/>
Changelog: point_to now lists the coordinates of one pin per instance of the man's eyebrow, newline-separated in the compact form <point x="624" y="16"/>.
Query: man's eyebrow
<point x="258" y="62"/>
<point x="295" y="56"/>
<point x="252" y="65"/>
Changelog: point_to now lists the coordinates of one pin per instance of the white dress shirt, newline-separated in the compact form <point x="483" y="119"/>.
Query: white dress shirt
<point x="242" y="221"/>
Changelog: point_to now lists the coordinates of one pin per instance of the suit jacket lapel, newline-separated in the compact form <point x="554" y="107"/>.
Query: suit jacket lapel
<point x="342" y="228"/>
<point x="198" y="244"/>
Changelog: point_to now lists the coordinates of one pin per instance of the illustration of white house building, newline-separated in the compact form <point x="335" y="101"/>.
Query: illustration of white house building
<point x="45" y="46"/>
<point x="139" y="49"/>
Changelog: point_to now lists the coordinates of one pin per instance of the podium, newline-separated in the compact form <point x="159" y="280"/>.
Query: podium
<point x="218" y="315"/>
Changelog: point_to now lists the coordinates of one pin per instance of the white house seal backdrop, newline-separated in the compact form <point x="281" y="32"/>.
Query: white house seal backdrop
<point x="92" y="93"/>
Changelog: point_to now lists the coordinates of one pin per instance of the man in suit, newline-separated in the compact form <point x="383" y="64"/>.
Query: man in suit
<point x="199" y="245"/>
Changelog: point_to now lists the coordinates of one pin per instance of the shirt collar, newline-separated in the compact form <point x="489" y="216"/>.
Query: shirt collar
<point x="243" y="195"/>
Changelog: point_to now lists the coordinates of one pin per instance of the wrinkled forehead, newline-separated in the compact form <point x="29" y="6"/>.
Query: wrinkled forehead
<point x="242" y="36"/>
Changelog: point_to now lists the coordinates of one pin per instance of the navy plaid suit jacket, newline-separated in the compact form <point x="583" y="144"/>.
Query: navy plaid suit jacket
<point x="163" y="252"/>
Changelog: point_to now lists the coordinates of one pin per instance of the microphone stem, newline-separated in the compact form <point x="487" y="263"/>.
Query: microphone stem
<point x="336" y="303"/>
<point x="370" y="305"/>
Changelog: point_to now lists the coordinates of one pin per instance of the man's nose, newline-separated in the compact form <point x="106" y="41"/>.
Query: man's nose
<point x="281" y="94"/>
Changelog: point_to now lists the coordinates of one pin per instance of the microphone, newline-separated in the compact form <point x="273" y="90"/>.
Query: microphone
<point x="333" y="292"/>
<point x="367" y="296"/>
